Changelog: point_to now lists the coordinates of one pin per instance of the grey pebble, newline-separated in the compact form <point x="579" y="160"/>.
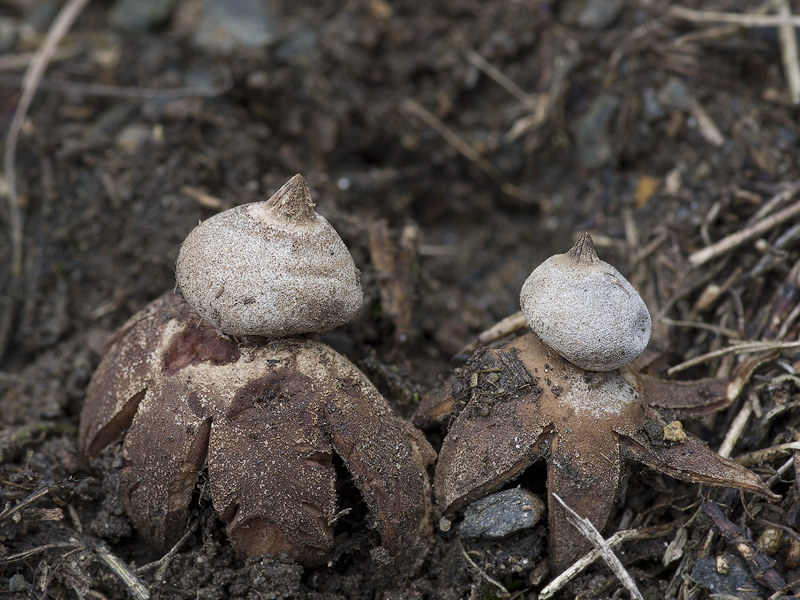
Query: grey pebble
<point x="592" y="134"/>
<point x="501" y="514"/>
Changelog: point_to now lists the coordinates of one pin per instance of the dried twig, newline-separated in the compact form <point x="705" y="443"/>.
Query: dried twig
<point x="788" y="42"/>
<point x="758" y="457"/>
<point x="736" y="430"/>
<point x="742" y="20"/>
<point x="57" y="546"/>
<point x="734" y="348"/>
<point x="466" y="150"/>
<point x="760" y="566"/>
<point x="627" y="535"/>
<point x="18" y="62"/>
<point x="129" y="579"/>
<point x="202" y="198"/>
<point x="162" y="563"/>
<point x="30" y="499"/>
<point x="501" y="589"/>
<point x="786" y="194"/>
<point x="590" y="532"/>
<point x="705" y="123"/>
<point x="717" y="329"/>
<point x="780" y="472"/>
<point x="750" y="232"/>
<point x="33" y="76"/>
<point x="499" y="330"/>
<point x="501" y="79"/>
<point x="126" y="92"/>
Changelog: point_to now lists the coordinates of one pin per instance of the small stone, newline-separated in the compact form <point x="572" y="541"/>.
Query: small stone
<point x="227" y="25"/>
<point x="17" y="583"/>
<point x="674" y="94"/>
<point x="653" y="111"/>
<point x="674" y="433"/>
<point x="140" y="15"/>
<point x="592" y="134"/>
<point x="132" y="137"/>
<point x="501" y="514"/>
<point x="599" y="14"/>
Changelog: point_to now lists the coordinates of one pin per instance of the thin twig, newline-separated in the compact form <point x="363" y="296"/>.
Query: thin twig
<point x="750" y="232"/>
<point x="780" y="472"/>
<point x="770" y="205"/>
<point x="470" y="153"/>
<point x="743" y="20"/>
<point x="730" y="333"/>
<point x="504" y="593"/>
<point x="705" y="123"/>
<point x="129" y="579"/>
<point x="758" y="457"/>
<point x="736" y="430"/>
<point x="126" y="92"/>
<point x="30" y="499"/>
<point x="501" y="79"/>
<point x="644" y="533"/>
<point x="734" y="348"/>
<point x="162" y="563"/>
<point x="30" y="83"/>
<point x="18" y="62"/>
<point x="38" y="549"/>
<point x="788" y="43"/>
<point x="499" y="330"/>
<point x="589" y="531"/>
<point x="758" y="563"/>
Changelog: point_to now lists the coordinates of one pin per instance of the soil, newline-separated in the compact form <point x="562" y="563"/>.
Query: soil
<point x="454" y="146"/>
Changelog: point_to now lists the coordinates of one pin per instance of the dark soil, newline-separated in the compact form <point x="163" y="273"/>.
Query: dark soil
<point x="412" y="150"/>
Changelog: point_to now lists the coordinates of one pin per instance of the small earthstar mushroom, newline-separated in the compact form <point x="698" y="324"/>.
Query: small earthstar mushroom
<point x="270" y="269"/>
<point x="585" y="310"/>
<point x="565" y="395"/>
<point x="263" y="417"/>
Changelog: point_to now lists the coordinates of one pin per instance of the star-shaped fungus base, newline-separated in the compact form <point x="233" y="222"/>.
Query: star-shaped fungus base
<point x="522" y="403"/>
<point x="265" y="421"/>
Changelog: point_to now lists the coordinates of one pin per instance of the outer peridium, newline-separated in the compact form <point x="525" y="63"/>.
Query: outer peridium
<point x="549" y="410"/>
<point x="266" y="419"/>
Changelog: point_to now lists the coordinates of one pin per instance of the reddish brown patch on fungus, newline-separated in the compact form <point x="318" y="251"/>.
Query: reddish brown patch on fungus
<point x="196" y="345"/>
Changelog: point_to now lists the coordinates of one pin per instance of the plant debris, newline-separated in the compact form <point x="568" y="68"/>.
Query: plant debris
<point x="461" y="126"/>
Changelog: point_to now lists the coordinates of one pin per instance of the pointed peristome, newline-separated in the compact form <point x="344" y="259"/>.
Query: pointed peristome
<point x="583" y="251"/>
<point x="293" y="201"/>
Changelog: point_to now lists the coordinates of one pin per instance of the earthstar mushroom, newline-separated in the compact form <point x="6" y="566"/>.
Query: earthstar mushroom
<point x="526" y="401"/>
<point x="265" y="415"/>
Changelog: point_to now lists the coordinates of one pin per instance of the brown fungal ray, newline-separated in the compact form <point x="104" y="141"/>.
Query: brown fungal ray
<point x="166" y="448"/>
<point x="691" y="460"/>
<point x="587" y="485"/>
<point x="120" y="381"/>
<point x="152" y="342"/>
<point x="258" y="413"/>
<point x="683" y="399"/>
<point x="485" y="449"/>
<point x="386" y="458"/>
<point x="270" y="470"/>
